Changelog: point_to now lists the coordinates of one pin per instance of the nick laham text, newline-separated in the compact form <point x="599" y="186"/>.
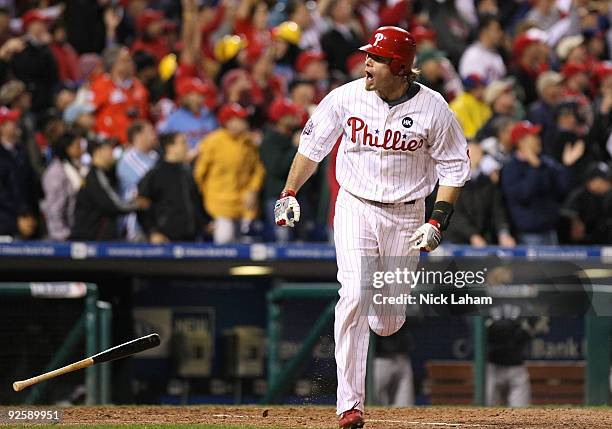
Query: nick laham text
<point x="432" y="299"/>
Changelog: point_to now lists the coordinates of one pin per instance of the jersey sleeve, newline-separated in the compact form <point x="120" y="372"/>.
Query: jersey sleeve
<point x="322" y="129"/>
<point x="449" y="151"/>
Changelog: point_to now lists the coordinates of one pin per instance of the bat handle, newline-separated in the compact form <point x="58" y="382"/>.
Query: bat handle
<point x="22" y="384"/>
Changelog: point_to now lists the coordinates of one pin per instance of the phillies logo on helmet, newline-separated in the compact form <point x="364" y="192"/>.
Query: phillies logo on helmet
<point x="377" y="38"/>
<point x="391" y="140"/>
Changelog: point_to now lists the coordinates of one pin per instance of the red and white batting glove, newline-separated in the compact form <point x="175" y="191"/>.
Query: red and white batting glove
<point x="287" y="209"/>
<point x="427" y="237"/>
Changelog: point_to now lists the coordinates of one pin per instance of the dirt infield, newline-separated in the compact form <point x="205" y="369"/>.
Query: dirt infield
<point x="324" y="417"/>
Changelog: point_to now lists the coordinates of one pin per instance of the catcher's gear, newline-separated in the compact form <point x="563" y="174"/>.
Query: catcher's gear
<point x="287" y="209"/>
<point x="427" y="237"/>
<point x="394" y="43"/>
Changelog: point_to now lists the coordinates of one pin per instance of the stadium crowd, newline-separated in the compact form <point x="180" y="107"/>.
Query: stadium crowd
<point x="168" y="120"/>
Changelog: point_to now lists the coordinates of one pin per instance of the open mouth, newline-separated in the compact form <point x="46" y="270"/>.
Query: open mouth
<point x="369" y="76"/>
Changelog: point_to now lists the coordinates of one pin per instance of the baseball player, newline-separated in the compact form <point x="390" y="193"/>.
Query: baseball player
<point x="398" y="138"/>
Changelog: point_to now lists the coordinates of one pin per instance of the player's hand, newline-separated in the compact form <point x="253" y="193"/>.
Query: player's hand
<point x="287" y="209"/>
<point x="427" y="237"/>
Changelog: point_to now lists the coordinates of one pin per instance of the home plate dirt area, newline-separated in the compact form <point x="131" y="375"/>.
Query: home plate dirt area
<point x="324" y="417"/>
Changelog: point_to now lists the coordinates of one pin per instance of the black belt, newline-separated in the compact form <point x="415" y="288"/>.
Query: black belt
<point x="407" y="203"/>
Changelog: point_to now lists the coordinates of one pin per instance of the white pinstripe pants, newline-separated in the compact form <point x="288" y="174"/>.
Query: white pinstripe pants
<point x="369" y="237"/>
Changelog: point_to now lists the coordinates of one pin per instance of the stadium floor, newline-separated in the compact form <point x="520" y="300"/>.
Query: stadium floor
<point x="249" y="417"/>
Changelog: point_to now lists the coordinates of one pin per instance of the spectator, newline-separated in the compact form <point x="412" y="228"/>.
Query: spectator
<point x="147" y="74"/>
<point x="544" y="13"/>
<point x="309" y="20"/>
<point x="35" y="65"/>
<point x="64" y="54"/>
<point x="452" y="31"/>
<point x="343" y="38"/>
<point x="176" y="212"/>
<point x="531" y="55"/>
<point x="151" y="25"/>
<point x="278" y="147"/>
<point x="85" y="25"/>
<point x="266" y="83"/>
<point x="15" y="96"/>
<point x="230" y="52"/>
<point x="5" y="25"/>
<point x="20" y="189"/>
<point x="497" y="148"/>
<point x="302" y="93"/>
<point x="481" y="57"/>
<point x="432" y="73"/>
<point x="311" y="65"/>
<point x="534" y="186"/>
<point x="252" y="24"/>
<point x="572" y="49"/>
<point x="589" y="207"/>
<point x="238" y="87"/>
<point x="576" y="86"/>
<point x="192" y="117"/>
<point x="480" y="216"/>
<point x="63" y="98"/>
<point x="98" y="206"/>
<point x="469" y="107"/>
<point x="500" y="97"/>
<point x="61" y="183"/>
<point x="286" y="37"/>
<point x="229" y="174"/>
<point x="569" y="134"/>
<point x="79" y="117"/>
<point x="137" y="160"/>
<point x="119" y="98"/>
<point x="601" y="131"/>
<point x="542" y="111"/>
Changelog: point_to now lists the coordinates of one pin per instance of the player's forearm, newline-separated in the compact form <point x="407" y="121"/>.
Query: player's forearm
<point x="448" y="194"/>
<point x="301" y="170"/>
<point x="443" y="208"/>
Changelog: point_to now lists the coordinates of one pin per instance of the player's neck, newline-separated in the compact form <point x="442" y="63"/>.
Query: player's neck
<point x="394" y="92"/>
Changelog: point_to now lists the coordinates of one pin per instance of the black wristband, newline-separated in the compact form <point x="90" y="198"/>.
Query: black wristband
<point x="442" y="212"/>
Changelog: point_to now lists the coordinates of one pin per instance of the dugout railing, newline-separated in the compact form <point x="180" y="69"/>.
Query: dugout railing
<point x="91" y="327"/>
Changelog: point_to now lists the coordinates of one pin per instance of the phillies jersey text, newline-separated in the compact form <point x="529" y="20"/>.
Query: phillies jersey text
<point x="389" y="154"/>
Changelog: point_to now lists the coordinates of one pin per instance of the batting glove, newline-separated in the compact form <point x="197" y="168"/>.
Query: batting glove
<point x="287" y="209"/>
<point x="427" y="237"/>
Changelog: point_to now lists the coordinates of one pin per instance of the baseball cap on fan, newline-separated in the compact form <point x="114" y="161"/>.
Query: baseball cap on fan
<point x="230" y="111"/>
<point x="473" y="81"/>
<point x="187" y="85"/>
<point x="497" y="88"/>
<point x="522" y="129"/>
<point x="307" y="57"/>
<point x="31" y="16"/>
<point x="8" y="115"/>
<point x="148" y="17"/>
<point x="571" y="69"/>
<point x="282" y="107"/>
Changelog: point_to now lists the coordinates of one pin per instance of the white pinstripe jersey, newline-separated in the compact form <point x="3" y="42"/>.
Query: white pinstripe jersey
<point x="388" y="154"/>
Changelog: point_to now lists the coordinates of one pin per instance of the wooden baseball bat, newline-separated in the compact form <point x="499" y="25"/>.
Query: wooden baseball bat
<point x="123" y="350"/>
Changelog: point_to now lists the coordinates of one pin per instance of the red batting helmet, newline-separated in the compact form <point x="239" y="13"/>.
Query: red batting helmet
<point x="394" y="43"/>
